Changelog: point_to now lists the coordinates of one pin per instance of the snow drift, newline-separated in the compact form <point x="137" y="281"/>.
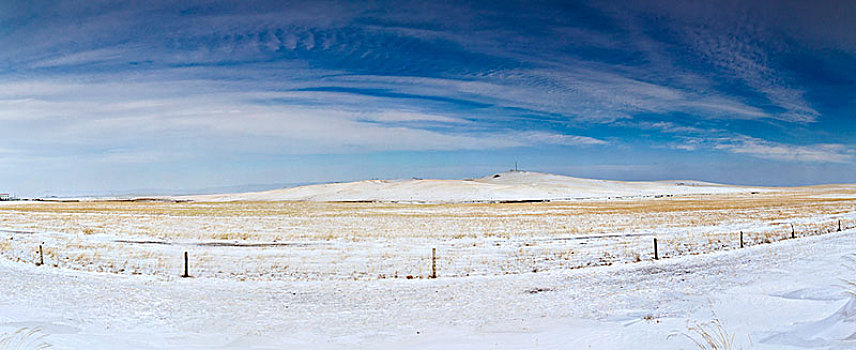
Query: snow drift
<point x="838" y="331"/>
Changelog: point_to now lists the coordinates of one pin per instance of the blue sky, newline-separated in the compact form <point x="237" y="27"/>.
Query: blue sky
<point x="104" y="96"/>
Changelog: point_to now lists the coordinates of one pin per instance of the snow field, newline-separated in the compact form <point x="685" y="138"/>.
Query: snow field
<point x="786" y="295"/>
<point x="321" y="241"/>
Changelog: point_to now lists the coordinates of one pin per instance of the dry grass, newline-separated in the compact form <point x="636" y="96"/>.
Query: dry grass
<point x="24" y="339"/>
<point x="709" y="335"/>
<point x="268" y="221"/>
<point x="390" y="239"/>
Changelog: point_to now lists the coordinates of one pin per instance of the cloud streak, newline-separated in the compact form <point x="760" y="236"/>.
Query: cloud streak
<point x="134" y="118"/>
<point x="821" y="153"/>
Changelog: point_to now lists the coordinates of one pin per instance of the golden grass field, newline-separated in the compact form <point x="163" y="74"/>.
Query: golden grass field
<point x="319" y="240"/>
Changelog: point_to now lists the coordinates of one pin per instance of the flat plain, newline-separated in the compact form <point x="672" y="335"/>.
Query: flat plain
<point x="331" y="275"/>
<point x="303" y="240"/>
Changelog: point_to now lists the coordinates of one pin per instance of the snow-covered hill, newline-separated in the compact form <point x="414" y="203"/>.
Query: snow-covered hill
<point x="506" y="186"/>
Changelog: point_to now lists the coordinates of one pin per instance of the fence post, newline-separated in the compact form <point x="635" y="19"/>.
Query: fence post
<point x="433" y="263"/>
<point x="41" y="256"/>
<point x="839" y="225"/>
<point x="186" y="274"/>
<point x="656" y="255"/>
<point x="793" y="232"/>
<point x="741" y="239"/>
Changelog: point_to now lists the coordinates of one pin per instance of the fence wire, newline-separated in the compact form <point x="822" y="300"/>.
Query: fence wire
<point x="376" y="260"/>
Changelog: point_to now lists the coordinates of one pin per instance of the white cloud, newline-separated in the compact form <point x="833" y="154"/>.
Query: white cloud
<point x="668" y="127"/>
<point x="400" y="116"/>
<point x="685" y="146"/>
<point x="736" y="48"/>
<point x="143" y="122"/>
<point x="86" y="57"/>
<point x="583" y="92"/>
<point x="760" y="148"/>
<point x="561" y="139"/>
<point x="823" y="153"/>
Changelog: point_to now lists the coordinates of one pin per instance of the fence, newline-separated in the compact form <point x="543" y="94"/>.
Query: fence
<point x="381" y="260"/>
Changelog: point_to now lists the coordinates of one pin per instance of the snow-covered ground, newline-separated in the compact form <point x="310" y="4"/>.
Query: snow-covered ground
<point x="785" y="295"/>
<point x="292" y="275"/>
<point x="311" y="241"/>
<point x="507" y="186"/>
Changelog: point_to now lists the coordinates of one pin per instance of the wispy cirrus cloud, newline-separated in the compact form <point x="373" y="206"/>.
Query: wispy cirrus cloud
<point x="527" y="71"/>
<point x="765" y="149"/>
<point x="126" y="80"/>
<point x="670" y="127"/>
<point x="822" y="153"/>
<point x="136" y="117"/>
<point x="561" y="139"/>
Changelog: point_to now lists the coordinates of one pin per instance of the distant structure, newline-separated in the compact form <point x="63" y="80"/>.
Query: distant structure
<point x="5" y="197"/>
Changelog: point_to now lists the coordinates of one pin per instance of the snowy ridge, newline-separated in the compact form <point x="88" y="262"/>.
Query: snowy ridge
<point x="507" y="186"/>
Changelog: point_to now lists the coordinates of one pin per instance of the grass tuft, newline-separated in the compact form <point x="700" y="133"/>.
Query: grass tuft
<point x="24" y="339"/>
<point x="708" y="335"/>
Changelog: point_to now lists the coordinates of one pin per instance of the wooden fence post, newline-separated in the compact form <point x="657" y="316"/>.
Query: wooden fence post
<point x="186" y="274"/>
<point x="793" y="232"/>
<point x="656" y="255"/>
<point x="741" y="239"/>
<point x="839" y="225"/>
<point x="41" y="256"/>
<point x="433" y="263"/>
